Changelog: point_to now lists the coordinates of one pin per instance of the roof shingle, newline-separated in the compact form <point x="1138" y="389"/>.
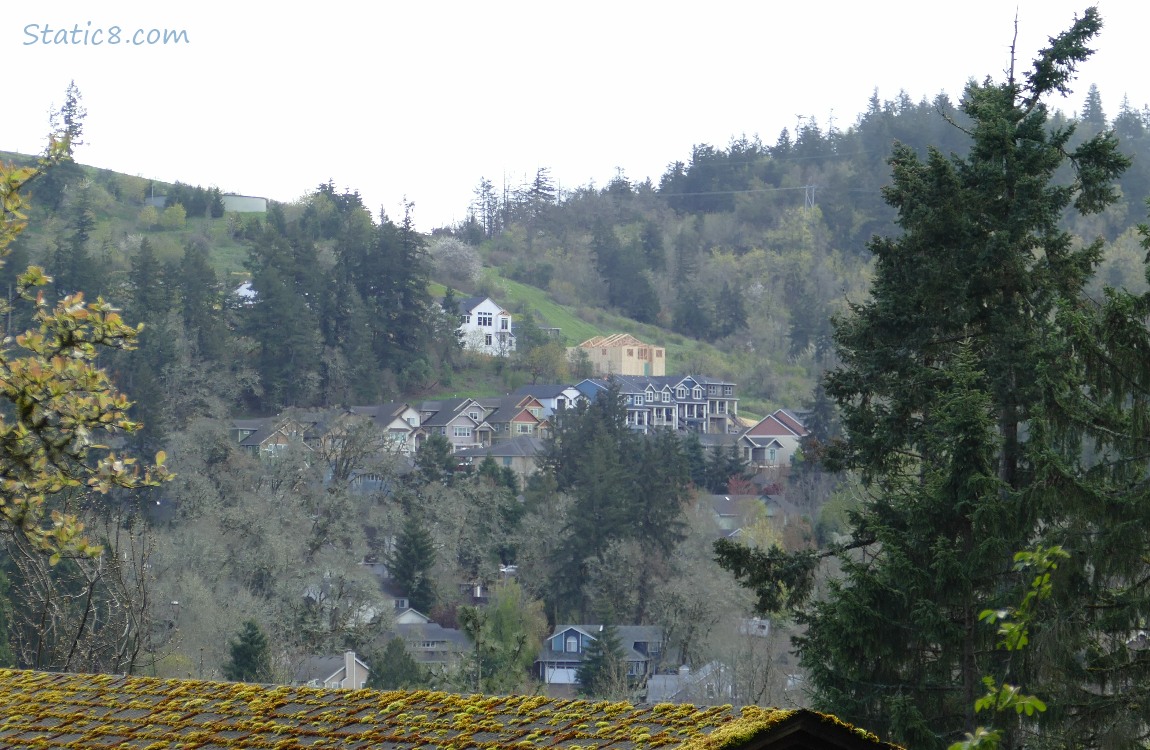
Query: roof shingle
<point x="40" y="709"/>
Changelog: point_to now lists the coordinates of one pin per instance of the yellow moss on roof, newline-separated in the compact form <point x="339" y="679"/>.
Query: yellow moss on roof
<point x="39" y="709"/>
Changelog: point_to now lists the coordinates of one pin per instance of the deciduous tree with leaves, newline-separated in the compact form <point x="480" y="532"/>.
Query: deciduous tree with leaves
<point x="59" y="408"/>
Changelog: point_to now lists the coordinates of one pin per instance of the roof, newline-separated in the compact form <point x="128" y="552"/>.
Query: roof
<point x="547" y="390"/>
<point x="381" y="412"/>
<point x="469" y="304"/>
<point x="322" y="668"/>
<point x="613" y="340"/>
<point x="525" y="446"/>
<point x="45" y="710"/>
<point x="443" y="412"/>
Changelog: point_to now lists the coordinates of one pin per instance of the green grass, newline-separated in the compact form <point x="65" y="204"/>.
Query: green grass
<point x="228" y="256"/>
<point x="683" y="354"/>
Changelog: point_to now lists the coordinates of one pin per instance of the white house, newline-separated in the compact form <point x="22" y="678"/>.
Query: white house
<point x="485" y="327"/>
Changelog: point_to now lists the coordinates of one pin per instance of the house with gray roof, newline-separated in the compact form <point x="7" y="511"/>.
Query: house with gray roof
<point x="566" y="649"/>
<point x="521" y="454"/>
<point x="460" y="420"/>
<point x="346" y="671"/>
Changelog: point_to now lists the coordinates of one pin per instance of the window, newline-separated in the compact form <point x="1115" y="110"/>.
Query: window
<point x="507" y="460"/>
<point x="697" y="393"/>
<point x="465" y="319"/>
<point x="504" y="323"/>
<point x="572" y="644"/>
<point x="772" y="454"/>
<point x="728" y="390"/>
<point x="630" y="352"/>
<point x="487" y="339"/>
<point x="536" y="411"/>
<point x="413" y="421"/>
<point x="462" y="430"/>
<point x="474" y="415"/>
<point x="658" y="354"/>
<point x="680" y="392"/>
<point x="523" y="429"/>
<point x="484" y="319"/>
<point x="666" y="397"/>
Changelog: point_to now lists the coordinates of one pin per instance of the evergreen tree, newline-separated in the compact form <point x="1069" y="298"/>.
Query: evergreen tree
<point x="603" y="672"/>
<point x="1093" y="119"/>
<point x="215" y="203"/>
<point x="988" y="405"/>
<point x="730" y="313"/>
<point x="73" y="269"/>
<point x="199" y="293"/>
<point x="59" y="174"/>
<point x="435" y="460"/>
<point x="249" y="659"/>
<point x="695" y="457"/>
<point x="150" y="298"/>
<point x="411" y="563"/>
<point x="395" y="668"/>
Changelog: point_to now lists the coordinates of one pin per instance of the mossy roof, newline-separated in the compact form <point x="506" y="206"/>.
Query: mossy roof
<point x="46" y="710"/>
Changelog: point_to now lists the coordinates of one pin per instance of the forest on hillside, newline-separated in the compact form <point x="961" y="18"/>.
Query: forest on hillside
<point x="955" y="293"/>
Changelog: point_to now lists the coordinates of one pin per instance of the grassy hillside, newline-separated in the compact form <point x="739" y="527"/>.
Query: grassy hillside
<point x="117" y="200"/>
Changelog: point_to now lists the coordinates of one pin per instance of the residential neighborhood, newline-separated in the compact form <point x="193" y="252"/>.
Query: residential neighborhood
<point x="511" y="433"/>
<point x="513" y="428"/>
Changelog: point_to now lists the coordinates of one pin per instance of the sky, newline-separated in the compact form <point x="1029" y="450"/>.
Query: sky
<point x="419" y="100"/>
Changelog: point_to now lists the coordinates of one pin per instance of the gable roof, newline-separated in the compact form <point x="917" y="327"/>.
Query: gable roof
<point x="788" y="417"/>
<point x="442" y="413"/>
<point x="773" y="425"/>
<point x="43" y="709"/>
<point x="322" y="668"/>
<point x="468" y="305"/>
<point x="382" y="413"/>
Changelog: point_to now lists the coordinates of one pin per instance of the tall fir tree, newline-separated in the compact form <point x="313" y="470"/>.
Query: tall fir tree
<point x="249" y="658"/>
<point x="411" y="563"/>
<point x="989" y="406"/>
<point x="603" y="671"/>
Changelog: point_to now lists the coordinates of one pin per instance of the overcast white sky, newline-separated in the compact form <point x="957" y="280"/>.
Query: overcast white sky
<point x="422" y="99"/>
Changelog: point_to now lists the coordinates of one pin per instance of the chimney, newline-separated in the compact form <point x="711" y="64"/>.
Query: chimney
<point x="349" y="675"/>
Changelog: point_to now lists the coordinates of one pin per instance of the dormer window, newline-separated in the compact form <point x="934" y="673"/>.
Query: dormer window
<point x="571" y="645"/>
